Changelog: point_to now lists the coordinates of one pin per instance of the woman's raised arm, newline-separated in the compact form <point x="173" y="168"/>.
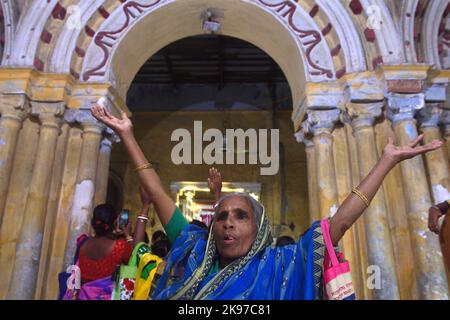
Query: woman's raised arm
<point x="353" y="206"/>
<point x="148" y="178"/>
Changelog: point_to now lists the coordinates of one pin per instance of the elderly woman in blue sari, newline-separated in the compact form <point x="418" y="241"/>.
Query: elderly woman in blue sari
<point x="235" y="260"/>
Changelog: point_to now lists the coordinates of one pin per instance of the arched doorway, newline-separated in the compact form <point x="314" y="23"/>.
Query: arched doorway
<point x="285" y="32"/>
<point x="225" y="83"/>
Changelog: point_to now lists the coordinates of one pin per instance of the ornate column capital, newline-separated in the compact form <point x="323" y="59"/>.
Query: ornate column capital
<point x="363" y="86"/>
<point x="430" y="115"/>
<point x="109" y="138"/>
<point x="49" y="113"/>
<point x="301" y="137"/>
<point x="364" y="114"/>
<point x="437" y="86"/>
<point x="14" y="106"/>
<point x="402" y="107"/>
<point x="436" y="90"/>
<point x="106" y="145"/>
<point x="404" y="78"/>
<point x="321" y="121"/>
<point x="85" y="119"/>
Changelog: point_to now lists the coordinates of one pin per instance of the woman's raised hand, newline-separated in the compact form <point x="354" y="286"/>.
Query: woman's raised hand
<point x="120" y="126"/>
<point x="399" y="153"/>
<point x="215" y="182"/>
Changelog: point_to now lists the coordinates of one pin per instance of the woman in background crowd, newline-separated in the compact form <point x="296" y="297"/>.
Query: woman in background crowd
<point x="111" y="245"/>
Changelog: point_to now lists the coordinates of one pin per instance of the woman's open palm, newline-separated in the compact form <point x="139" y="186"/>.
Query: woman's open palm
<point x="215" y="181"/>
<point x="120" y="126"/>
<point x="400" y="153"/>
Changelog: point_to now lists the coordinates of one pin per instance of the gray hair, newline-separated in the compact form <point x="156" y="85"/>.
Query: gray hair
<point x="258" y="208"/>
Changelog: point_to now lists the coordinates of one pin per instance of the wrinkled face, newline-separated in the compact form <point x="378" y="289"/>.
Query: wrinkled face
<point x="235" y="229"/>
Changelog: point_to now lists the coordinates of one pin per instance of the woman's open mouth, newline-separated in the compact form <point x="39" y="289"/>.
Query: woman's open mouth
<point x="229" y="239"/>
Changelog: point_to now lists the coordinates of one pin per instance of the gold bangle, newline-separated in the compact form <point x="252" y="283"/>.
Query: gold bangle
<point x="147" y="165"/>
<point x="361" y="196"/>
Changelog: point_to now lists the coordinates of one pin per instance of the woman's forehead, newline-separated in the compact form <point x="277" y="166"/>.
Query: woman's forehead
<point x="235" y="202"/>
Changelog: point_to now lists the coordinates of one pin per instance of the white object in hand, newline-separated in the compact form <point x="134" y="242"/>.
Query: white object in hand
<point x="102" y="102"/>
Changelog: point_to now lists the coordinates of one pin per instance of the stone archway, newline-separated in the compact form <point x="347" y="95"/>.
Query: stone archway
<point x="300" y="53"/>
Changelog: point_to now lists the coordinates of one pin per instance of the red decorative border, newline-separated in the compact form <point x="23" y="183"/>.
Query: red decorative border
<point x="302" y="34"/>
<point x="101" y="39"/>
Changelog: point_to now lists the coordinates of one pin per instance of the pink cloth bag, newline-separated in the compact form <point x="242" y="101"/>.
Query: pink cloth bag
<point x="337" y="278"/>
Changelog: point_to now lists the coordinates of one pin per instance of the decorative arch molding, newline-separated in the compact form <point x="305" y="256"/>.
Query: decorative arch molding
<point x="407" y="27"/>
<point x="53" y="45"/>
<point x="66" y="43"/>
<point x="349" y="39"/>
<point x="307" y="21"/>
<point x="387" y="35"/>
<point x="317" y="57"/>
<point x="444" y="39"/>
<point x="29" y="32"/>
<point x="273" y="26"/>
<point x="433" y="18"/>
<point x="379" y="33"/>
<point x="65" y="14"/>
<point x="11" y="15"/>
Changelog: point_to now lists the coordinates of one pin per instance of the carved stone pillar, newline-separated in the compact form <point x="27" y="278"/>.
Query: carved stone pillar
<point x="101" y="184"/>
<point x="380" y="252"/>
<point x="327" y="159"/>
<point x="29" y="245"/>
<point x="349" y="242"/>
<point x="312" y="175"/>
<point x="358" y="230"/>
<point x="14" y="109"/>
<point x="436" y="161"/>
<point x="397" y="215"/>
<point x="432" y="282"/>
<point x="83" y="200"/>
<point x="321" y="124"/>
<point x="22" y="172"/>
<point x="60" y="231"/>
<point x="51" y="210"/>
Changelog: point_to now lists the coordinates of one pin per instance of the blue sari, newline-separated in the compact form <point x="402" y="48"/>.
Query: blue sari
<point x="292" y="272"/>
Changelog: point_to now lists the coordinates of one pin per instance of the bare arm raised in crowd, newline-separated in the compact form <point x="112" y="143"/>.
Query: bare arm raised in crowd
<point x="148" y="179"/>
<point x="139" y="231"/>
<point x="352" y="207"/>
